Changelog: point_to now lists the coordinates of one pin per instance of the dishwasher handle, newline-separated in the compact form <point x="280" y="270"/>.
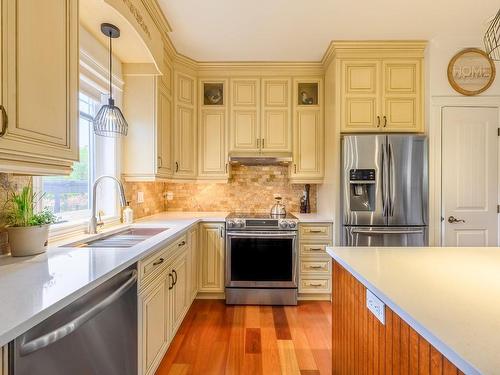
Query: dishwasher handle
<point x="57" y="334"/>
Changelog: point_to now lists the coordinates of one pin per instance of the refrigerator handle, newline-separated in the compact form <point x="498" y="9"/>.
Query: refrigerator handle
<point x="384" y="180"/>
<point x="391" y="182"/>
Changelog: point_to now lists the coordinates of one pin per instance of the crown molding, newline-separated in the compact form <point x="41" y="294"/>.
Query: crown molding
<point x="157" y="15"/>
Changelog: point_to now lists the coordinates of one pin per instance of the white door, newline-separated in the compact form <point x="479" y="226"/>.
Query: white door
<point x="470" y="176"/>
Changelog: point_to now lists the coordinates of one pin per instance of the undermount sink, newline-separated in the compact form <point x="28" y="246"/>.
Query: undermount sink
<point x="123" y="239"/>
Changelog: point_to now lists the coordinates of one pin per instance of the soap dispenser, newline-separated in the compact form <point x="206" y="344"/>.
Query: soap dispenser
<point x="128" y="214"/>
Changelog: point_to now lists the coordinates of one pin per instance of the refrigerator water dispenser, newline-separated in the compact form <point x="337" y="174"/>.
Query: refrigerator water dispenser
<point x="362" y="189"/>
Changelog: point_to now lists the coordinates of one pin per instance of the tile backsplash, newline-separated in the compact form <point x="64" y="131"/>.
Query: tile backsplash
<point x="250" y="188"/>
<point x="153" y="197"/>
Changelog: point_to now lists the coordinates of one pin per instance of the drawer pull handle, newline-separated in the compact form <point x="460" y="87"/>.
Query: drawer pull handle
<point x="315" y="284"/>
<point x="315" y="231"/>
<point x="181" y="243"/>
<point x="315" y="249"/>
<point x="5" y="121"/>
<point x="170" y="287"/>
<point x="158" y="262"/>
<point x="316" y="267"/>
<point x="175" y="274"/>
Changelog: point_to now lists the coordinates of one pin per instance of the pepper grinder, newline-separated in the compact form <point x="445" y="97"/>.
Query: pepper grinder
<point x="306" y="195"/>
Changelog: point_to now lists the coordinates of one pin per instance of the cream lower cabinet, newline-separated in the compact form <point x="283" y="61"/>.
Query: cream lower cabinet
<point x="4" y="358"/>
<point x="314" y="262"/>
<point x="193" y="256"/>
<point x="39" y="86"/>
<point x="163" y="301"/>
<point x="211" y="272"/>
<point x="179" y="293"/>
<point x="380" y="86"/>
<point x="154" y="308"/>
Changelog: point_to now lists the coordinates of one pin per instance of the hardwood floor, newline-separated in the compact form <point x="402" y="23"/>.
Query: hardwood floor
<point x="217" y="339"/>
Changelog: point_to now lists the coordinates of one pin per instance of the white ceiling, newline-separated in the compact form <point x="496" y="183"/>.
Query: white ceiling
<point x="300" y="30"/>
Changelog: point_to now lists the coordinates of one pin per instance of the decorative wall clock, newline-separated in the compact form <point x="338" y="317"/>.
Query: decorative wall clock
<point x="471" y="71"/>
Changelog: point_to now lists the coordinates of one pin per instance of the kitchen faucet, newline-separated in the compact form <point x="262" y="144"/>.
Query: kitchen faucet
<point x="93" y="224"/>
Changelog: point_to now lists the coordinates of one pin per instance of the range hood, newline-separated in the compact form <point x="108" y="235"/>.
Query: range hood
<point x="261" y="159"/>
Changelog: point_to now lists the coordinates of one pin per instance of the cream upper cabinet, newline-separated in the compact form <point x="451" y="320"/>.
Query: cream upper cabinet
<point x="147" y="149"/>
<point x="308" y="135"/>
<point x="185" y="134"/>
<point x="276" y="129"/>
<point x="164" y="131"/>
<point x="402" y="95"/>
<point x="361" y="106"/>
<point x="212" y="142"/>
<point x="245" y="125"/>
<point x="211" y="275"/>
<point x="380" y="86"/>
<point x="39" y="86"/>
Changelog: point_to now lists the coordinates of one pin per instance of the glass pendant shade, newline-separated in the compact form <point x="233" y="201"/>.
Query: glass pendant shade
<point x="492" y="38"/>
<point x="109" y="121"/>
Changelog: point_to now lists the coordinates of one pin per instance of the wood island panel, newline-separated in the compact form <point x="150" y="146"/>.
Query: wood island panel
<point x="363" y="345"/>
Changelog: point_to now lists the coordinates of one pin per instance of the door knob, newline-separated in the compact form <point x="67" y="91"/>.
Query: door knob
<point x="454" y="220"/>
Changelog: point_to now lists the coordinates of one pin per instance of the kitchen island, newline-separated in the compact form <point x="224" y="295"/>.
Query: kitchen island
<point x="442" y="313"/>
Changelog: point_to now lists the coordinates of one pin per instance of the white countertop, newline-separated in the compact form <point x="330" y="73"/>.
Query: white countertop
<point x="33" y="288"/>
<point x="312" y="218"/>
<point x="450" y="296"/>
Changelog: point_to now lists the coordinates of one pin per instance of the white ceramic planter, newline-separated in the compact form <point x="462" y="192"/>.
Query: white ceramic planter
<point x="26" y="241"/>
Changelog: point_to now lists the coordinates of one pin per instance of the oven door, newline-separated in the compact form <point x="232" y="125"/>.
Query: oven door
<point x="261" y="259"/>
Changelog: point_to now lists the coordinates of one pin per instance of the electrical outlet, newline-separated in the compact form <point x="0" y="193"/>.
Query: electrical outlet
<point x="376" y="306"/>
<point x="140" y="197"/>
<point x="169" y="196"/>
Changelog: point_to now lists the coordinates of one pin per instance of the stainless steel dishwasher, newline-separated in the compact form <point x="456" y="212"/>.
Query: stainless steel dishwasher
<point x="95" y="335"/>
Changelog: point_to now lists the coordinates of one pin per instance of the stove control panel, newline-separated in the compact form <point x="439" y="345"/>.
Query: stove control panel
<point x="256" y="224"/>
<point x="235" y="223"/>
<point x="288" y="224"/>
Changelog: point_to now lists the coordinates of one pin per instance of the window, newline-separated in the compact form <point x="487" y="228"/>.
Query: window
<point x="70" y="197"/>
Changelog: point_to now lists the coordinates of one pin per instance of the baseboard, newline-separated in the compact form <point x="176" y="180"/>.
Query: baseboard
<point x="315" y="297"/>
<point x="204" y="295"/>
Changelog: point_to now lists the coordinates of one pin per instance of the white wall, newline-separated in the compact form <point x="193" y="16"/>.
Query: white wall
<point x="438" y="54"/>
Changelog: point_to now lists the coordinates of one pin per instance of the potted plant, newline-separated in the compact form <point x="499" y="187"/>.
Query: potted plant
<point x="28" y="231"/>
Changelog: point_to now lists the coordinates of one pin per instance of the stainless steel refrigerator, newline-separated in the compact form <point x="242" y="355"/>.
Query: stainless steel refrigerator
<point x="385" y="190"/>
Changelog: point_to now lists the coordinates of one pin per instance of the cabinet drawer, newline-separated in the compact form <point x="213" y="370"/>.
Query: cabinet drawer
<point x="312" y="285"/>
<point x="315" y="232"/>
<point x="314" y="249"/>
<point x="153" y="264"/>
<point x="315" y="266"/>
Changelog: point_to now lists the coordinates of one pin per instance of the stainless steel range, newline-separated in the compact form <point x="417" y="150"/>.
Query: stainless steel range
<point x="261" y="259"/>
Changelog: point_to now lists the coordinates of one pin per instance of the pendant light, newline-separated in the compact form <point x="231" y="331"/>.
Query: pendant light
<point x="109" y="121"/>
<point x="492" y="38"/>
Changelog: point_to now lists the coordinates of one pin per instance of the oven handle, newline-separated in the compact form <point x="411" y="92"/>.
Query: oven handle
<point x="261" y="234"/>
